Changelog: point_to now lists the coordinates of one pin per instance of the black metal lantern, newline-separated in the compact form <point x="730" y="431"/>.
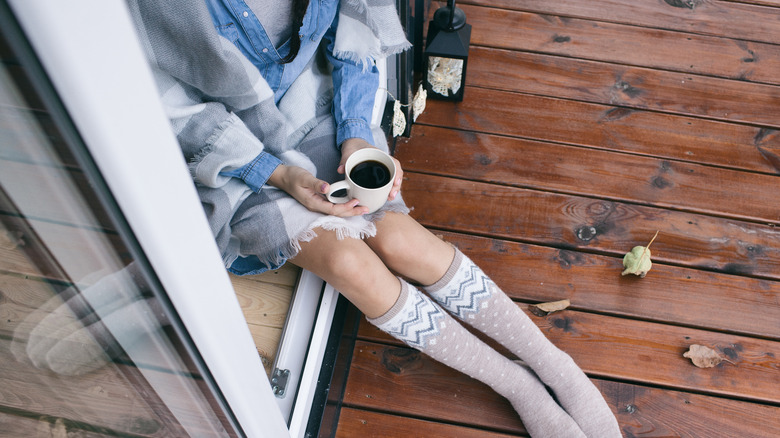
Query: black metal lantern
<point x="446" y="53"/>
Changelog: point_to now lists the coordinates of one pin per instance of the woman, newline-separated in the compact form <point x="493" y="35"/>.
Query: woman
<point x="268" y="99"/>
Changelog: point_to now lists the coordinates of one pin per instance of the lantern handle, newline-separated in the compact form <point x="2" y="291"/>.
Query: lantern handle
<point x="451" y="4"/>
<point x="449" y="18"/>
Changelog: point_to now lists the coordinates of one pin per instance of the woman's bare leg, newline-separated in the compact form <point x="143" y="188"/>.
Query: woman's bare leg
<point x="410" y="250"/>
<point x="362" y="276"/>
<point x="353" y="269"/>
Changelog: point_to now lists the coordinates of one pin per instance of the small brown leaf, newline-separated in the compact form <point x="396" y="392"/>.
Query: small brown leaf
<point x="544" y="309"/>
<point x="703" y="357"/>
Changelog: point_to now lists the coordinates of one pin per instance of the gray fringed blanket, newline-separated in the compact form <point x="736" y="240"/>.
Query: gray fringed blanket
<point x="223" y="114"/>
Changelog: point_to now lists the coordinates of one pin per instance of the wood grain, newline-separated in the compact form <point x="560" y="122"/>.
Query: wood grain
<point x="633" y="87"/>
<point x="651" y="353"/>
<point x="52" y="194"/>
<point x="622" y="44"/>
<point x="400" y="380"/>
<point x="712" y="17"/>
<point x="13" y="426"/>
<point x="103" y="398"/>
<point x="607" y="127"/>
<point x="580" y="171"/>
<point x="263" y="304"/>
<point x="353" y="423"/>
<point x="649" y="412"/>
<point x="265" y="301"/>
<point x="594" y="225"/>
<point x="70" y="253"/>
<point x="668" y="294"/>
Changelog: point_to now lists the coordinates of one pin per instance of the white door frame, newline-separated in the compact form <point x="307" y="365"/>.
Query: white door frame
<point x="92" y="55"/>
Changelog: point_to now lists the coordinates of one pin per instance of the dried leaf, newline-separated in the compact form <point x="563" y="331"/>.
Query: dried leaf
<point x="544" y="309"/>
<point x="703" y="357"/>
<point x="637" y="261"/>
<point x="399" y="120"/>
<point x="418" y="103"/>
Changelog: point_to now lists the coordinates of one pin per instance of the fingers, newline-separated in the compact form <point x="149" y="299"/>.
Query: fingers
<point x="399" y="177"/>
<point x="347" y="209"/>
<point x="348" y="147"/>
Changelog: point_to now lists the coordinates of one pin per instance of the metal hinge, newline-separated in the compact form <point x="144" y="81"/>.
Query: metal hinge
<point x="279" y="382"/>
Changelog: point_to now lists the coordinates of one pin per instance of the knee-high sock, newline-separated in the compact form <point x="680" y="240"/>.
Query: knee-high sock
<point x="416" y="320"/>
<point x="468" y="293"/>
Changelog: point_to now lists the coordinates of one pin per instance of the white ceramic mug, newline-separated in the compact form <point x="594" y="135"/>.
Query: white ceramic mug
<point x="369" y="175"/>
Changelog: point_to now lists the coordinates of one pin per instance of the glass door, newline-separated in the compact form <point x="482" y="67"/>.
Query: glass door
<point x="118" y="318"/>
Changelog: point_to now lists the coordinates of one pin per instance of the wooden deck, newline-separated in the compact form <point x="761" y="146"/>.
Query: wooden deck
<point x="586" y="127"/>
<point x="265" y="302"/>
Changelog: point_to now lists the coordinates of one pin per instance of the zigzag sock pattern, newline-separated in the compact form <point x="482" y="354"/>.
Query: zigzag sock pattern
<point x="472" y="291"/>
<point x="412" y="319"/>
<point x="466" y="291"/>
<point x="418" y="321"/>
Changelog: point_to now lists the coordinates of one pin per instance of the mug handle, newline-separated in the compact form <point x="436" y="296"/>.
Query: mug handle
<point x="335" y="187"/>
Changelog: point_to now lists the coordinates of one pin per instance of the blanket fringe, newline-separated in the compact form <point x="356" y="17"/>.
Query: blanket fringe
<point x="343" y="228"/>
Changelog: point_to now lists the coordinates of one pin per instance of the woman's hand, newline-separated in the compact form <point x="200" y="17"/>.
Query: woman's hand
<point x="351" y="145"/>
<point x="308" y="190"/>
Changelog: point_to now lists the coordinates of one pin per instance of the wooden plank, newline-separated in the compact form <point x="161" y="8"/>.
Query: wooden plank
<point x="287" y="276"/>
<point x="623" y="44"/>
<point x="580" y="171"/>
<point x="267" y="343"/>
<point x="668" y="294"/>
<point x="263" y="304"/>
<point x="651" y="353"/>
<point x="103" y="398"/>
<point x="28" y="135"/>
<point x="404" y="382"/>
<point x="354" y="423"/>
<point x="15" y="426"/>
<point x="594" y="225"/>
<point x="13" y="257"/>
<point x="52" y="193"/>
<point x="78" y="251"/>
<point x="608" y="127"/>
<point x="648" y="412"/>
<point x="712" y="17"/>
<point x="18" y="296"/>
<point x="634" y="87"/>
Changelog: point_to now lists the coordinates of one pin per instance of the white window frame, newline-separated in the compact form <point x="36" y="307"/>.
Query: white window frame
<point x="93" y="58"/>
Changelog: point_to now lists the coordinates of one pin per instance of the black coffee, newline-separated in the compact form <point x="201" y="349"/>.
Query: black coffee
<point x="370" y="174"/>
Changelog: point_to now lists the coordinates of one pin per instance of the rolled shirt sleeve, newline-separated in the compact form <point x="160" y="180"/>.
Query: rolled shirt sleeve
<point x="255" y="173"/>
<point x="354" y="94"/>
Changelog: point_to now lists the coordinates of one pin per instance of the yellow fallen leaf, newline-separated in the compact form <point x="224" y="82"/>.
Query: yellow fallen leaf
<point x="637" y="261"/>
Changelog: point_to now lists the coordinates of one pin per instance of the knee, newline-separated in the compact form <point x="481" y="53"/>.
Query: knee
<point x="393" y="246"/>
<point x="345" y="263"/>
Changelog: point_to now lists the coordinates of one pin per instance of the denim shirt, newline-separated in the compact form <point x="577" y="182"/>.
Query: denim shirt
<point x="354" y="88"/>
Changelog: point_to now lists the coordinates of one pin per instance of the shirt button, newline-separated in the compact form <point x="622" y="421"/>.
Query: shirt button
<point x="246" y="14"/>
<point x="265" y="50"/>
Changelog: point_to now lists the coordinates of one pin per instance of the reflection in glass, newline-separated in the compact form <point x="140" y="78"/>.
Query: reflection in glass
<point x="88" y="340"/>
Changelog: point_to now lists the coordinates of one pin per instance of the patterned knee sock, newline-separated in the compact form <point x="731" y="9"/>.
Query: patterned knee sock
<point x="468" y="293"/>
<point x="423" y="325"/>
